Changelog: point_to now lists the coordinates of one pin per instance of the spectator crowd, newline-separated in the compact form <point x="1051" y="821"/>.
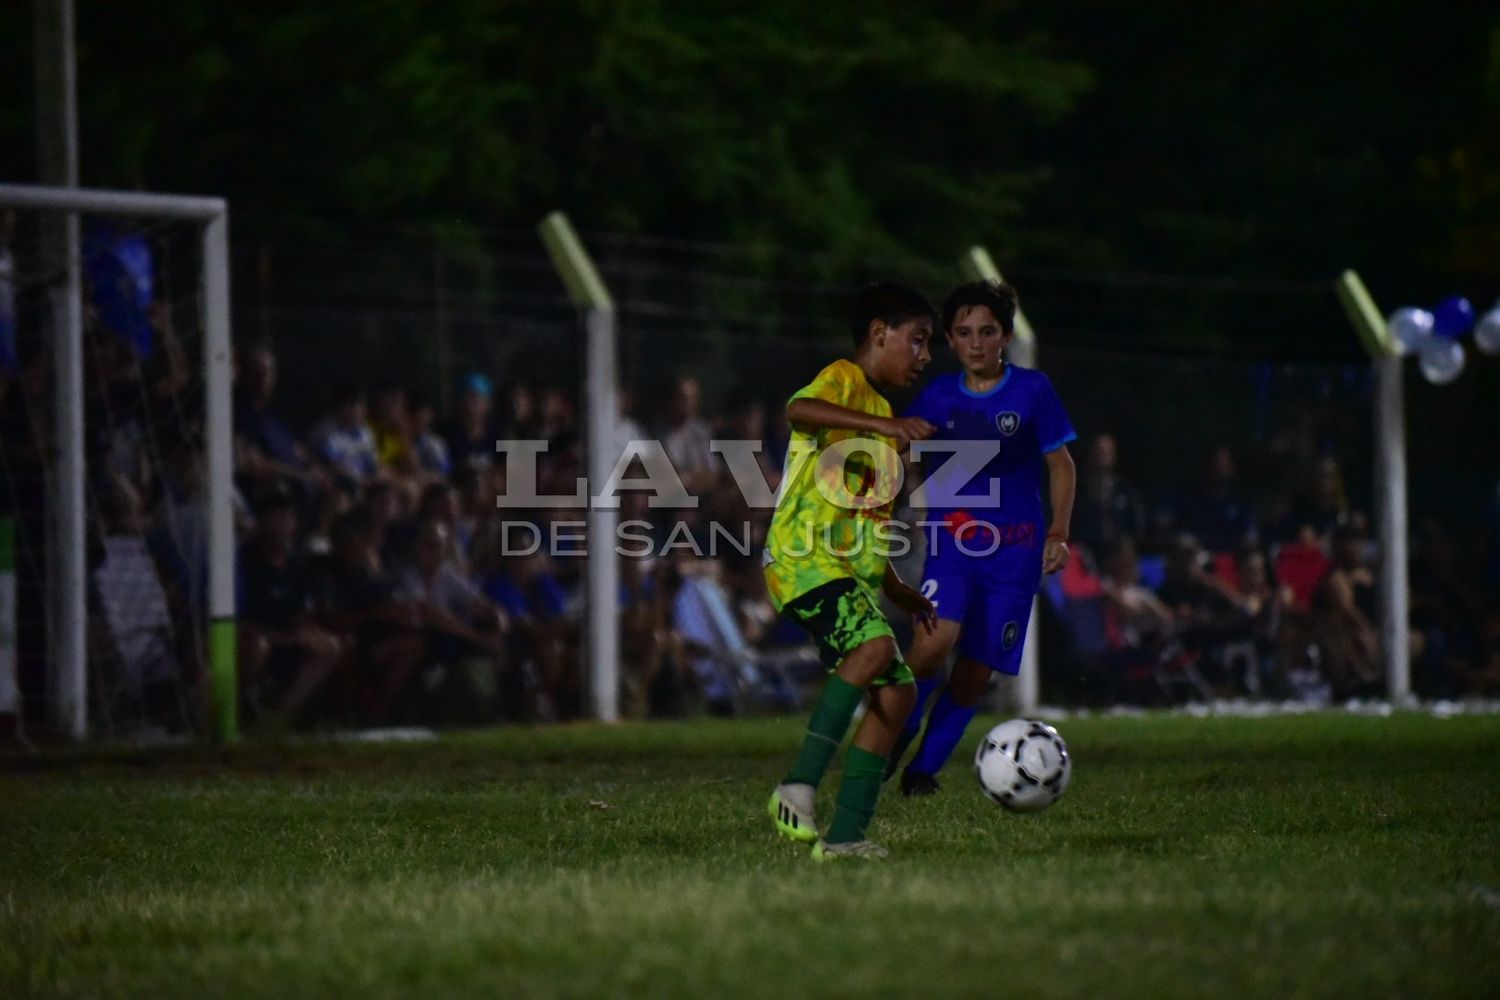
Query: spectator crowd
<point x="378" y="582"/>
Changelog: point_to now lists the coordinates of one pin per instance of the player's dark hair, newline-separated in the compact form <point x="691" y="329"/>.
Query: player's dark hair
<point x="996" y="296"/>
<point x="888" y="302"/>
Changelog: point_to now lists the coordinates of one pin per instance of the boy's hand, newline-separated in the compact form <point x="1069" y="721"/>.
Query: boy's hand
<point x="911" y="601"/>
<point x="1054" y="554"/>
<point x="906" y="430"/>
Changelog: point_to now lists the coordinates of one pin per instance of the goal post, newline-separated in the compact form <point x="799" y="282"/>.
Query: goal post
<point x="68" y="646"/>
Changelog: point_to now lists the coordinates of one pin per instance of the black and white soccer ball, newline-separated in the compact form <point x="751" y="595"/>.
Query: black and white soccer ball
<point x="1023" y="765"/>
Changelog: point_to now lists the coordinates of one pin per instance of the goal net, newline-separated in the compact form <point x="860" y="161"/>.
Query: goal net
<point x="113" y="328"/>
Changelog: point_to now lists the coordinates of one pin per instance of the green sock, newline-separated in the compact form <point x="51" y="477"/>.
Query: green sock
<point x="825" y="730"/>
<point x="864" y="772"/>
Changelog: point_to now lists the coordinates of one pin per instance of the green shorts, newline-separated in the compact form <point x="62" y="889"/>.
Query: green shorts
<point x="842" y="615"/>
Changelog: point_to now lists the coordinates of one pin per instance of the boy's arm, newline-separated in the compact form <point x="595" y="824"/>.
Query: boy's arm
<point x="1063" y="478"/>
<point x="908" y="598"/>
<point x="809" y="413"/>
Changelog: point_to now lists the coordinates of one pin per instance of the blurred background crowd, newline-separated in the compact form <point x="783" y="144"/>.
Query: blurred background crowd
<point x="379" y="583"/>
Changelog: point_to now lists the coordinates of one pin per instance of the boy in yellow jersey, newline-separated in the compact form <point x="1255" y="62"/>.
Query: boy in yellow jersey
<point x="826" y="562"/>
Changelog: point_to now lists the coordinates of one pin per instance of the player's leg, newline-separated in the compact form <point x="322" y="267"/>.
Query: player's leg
<point x="864" y="764"/>
<point x="929" y="651"/>
<point x="855" y="640"/>
<point x="950" y="716"/>
<point x="945" y="582"/>
<point x="990" y="642"/>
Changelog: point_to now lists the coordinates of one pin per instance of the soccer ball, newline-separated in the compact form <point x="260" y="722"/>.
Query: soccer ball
<point x="1023" y="765"/>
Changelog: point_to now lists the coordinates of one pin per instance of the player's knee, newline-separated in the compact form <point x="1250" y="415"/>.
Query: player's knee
<point x="968" y="682"/>
<point x="898" y="700"/>
<point x="868" y="660"/>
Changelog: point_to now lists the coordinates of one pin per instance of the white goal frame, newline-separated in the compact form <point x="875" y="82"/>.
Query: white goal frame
<point x="67" y="583"/>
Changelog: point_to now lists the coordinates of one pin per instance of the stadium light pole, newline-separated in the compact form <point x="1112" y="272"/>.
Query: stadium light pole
<point x="597" y="307"/>
<point x="977" y="265"/>
<point x="1390" y="480"/>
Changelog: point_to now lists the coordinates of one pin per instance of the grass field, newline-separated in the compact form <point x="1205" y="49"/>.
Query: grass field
<point x="1296" y="856"/>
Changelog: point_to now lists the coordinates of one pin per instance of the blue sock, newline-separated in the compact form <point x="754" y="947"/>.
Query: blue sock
<point x="945" y="727"/>
<point x="925" y="687"/>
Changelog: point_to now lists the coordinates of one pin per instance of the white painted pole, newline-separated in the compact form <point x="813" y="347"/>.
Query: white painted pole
<point x="1390" y="512"/>
<point x="1390" y="481"/>
<point x="69" y="590"/>
<point x="603" y="562"/>
<point x="591" y="296"/>
<point x="57" y="164"/>
<point x="219" y="482"/>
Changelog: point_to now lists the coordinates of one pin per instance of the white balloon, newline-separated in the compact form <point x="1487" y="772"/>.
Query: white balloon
<point x="1411" y="328"/>
<point x="1487" y="331"/>
<point x="1441" y="360"/>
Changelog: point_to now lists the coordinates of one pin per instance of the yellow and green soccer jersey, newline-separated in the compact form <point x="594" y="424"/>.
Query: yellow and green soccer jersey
<point x="815" y="538"/>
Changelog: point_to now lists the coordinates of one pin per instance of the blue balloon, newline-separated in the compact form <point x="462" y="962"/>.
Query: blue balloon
<point x="1453" y="317"/>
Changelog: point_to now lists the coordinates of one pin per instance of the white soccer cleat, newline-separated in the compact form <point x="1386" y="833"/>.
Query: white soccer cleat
<point x="859" y="850"/>
<point x="791" y="809"/>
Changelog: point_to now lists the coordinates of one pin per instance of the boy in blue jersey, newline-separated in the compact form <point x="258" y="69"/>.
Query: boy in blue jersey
<point x="988" y="541"/>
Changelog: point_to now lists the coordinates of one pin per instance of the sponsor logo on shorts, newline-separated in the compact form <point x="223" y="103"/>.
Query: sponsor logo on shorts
<point x="1011" y="633"/>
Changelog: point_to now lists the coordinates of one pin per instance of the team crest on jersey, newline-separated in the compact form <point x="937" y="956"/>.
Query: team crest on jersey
<point x="1011" y="633"/>
<point x="1008" y="422"/>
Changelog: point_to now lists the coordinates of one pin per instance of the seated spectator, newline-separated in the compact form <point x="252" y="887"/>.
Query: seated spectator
<point x="1301" y="565"/>
<point x="344" y="440"/>
<point x="284" y="656"/>
<point x="535" y="601"/>
<point x="431" y="451"/>
<point x="644" y="634"/>
<point x="1137" y="613"/>
<point x="559" y="420"/>
<point x="1137" y="624"/>
<point x="522" y="422"/>
<point x="1348" y="646"/>
<point x="391" y="426"/>
<point x="1216" y="513"/>
<point x="353" y="595"/>
<point x="461" y="621"/>
<point x="1353" y="552"/>
<point x="713" y="645"/>
<point x="1108" y="507"/>
<point x="1266" y="603"/>
<point x="687" y="442"/>
<point x="384" y="501"/>
<point x="472" y="434"/>
<point x="1322" y="504"/>
<point x="1206" y="611"/>
<point x="265" y="450"/>
<point x="139" y="666"/>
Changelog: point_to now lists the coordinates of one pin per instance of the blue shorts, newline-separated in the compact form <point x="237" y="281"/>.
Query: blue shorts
<point x="989" y="596"/>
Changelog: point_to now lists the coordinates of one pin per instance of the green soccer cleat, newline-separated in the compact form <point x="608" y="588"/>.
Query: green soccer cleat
<point x="860" y="850"/>
<point x="791" y="809"/>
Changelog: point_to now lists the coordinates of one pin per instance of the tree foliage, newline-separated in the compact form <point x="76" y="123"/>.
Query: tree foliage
<point x="1264" y="138"/>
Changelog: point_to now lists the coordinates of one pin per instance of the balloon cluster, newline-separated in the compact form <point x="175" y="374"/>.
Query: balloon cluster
<point x="1434" y="336"/>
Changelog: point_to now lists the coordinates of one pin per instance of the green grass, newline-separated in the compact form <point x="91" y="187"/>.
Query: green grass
<point x="1299" y="856"/>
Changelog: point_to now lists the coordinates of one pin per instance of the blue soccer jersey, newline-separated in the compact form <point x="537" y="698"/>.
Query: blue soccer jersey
<point x="984" y="557"/>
